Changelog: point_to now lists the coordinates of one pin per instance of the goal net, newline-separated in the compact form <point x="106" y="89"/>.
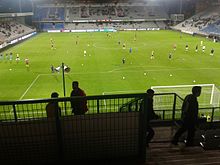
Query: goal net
<point x="210" y="95"/>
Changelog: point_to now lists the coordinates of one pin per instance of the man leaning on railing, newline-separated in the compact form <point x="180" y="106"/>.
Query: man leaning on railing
<point x="150" y="115"/>
<point x="79" y="106"/>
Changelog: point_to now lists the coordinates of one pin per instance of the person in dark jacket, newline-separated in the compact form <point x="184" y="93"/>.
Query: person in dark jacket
<point x="190" y="109"/>
<point x="150" y="115"/>
<point x="79" y="106"/>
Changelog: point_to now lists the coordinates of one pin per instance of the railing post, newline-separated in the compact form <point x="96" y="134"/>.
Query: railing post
<point x="174" y="107"/>
<point x="213" y="111"/>
<point x="15" y="114"/>
<point x="142" y="129"/>
<point x="163" y="114"/>
<point x="59" y="132"/>
<point x="97" y="105"/>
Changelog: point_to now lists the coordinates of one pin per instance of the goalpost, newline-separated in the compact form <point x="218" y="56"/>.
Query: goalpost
<point x="210" y="95"/>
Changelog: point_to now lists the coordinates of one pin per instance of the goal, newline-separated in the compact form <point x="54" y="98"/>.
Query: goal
<point x="210" y="95"/>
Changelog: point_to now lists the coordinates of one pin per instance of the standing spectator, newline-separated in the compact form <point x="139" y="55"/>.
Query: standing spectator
<point x="52" y="107"/>
<point x="190" y="109"/>
<point x="79" y="106"/>
<point x="150" y="114"/>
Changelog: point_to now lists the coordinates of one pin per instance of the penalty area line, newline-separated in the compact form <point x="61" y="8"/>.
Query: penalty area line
<point x="29" y="87"/>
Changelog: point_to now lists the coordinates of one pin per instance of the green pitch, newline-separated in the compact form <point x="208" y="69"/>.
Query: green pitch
<point x="101" y="70"/>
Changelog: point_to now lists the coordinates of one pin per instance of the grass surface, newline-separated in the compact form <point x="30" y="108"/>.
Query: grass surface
<point x="101" y="71"/>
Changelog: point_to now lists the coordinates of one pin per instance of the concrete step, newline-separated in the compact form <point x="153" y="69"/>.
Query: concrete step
<point x="161" y="152"/>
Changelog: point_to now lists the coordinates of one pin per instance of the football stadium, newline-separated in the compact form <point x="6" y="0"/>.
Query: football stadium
<point x="114" y="52"/>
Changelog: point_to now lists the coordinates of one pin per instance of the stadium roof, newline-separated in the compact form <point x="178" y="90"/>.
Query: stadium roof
<point x="101" y="1"/>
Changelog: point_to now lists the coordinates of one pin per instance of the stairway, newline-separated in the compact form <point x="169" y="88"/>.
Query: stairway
<point x="160" y="152"/>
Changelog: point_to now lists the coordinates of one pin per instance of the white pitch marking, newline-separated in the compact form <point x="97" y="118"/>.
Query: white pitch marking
<point x="29" y="87"/>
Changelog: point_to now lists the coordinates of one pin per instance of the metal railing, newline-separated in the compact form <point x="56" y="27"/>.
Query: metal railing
<point x="102" y="133"/>
<point x="113" y="128"/>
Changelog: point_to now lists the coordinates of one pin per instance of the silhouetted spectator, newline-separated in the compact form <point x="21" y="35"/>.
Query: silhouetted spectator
<point x="52" y="107"/>
<point x="190" y="109"/>
<point x="150" y="114"/>
<point x="79" y="106"/>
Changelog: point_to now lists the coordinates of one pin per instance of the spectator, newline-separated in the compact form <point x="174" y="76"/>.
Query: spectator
<point x="52" y="107"/>
<point x="150" y="114"/>
<point x="79" y="106"/>
<point x="190" y="109"/>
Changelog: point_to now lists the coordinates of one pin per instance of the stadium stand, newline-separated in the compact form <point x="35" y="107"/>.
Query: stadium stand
<point x="205" y="22"/>
<point x="49" y="14"/>
<point x="12" y="29"/>
<point x="143" y="15"/>
<point x="213" y="28"/>
<point x="112" y="11"/>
